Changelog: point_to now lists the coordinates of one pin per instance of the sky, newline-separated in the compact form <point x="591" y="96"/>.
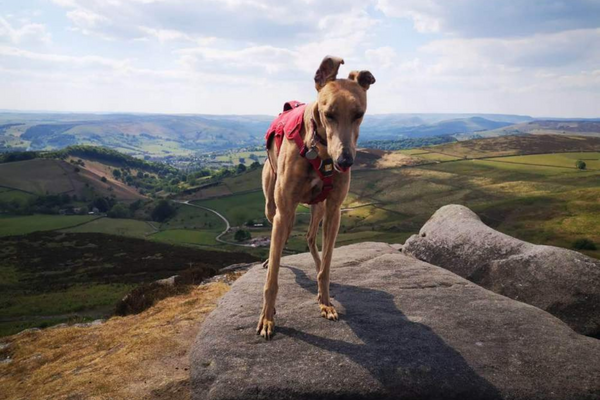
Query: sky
<point x="529" y="57"/>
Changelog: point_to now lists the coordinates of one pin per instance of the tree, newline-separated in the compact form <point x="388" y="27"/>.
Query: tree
<point x="101" y="204"/>
<point x="163" y="211"/>
<point x="103" y="179"/>
<point x="580" y="164"/>
<point x="117" y="173"/>
<point x="255" y="165"/>
<point x="136" y="205"/>
<point x="242" y="235"/>
<point x="119" y="210"/>
<point x="241" y="168"/>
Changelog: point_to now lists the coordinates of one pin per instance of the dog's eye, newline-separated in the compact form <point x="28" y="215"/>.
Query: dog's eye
<point x="358" y="115"/>
<point x="330" y="116"/>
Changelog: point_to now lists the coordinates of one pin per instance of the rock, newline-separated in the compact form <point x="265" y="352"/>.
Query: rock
<point x="171" y="281"/>
<point x="407" y="330"/>
<point x="563" y="282"/>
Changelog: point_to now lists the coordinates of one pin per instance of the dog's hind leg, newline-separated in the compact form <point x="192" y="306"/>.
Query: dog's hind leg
<point x="269" y="177"/>
<point x="268" y="184"/>
<point x="317" y="211"/>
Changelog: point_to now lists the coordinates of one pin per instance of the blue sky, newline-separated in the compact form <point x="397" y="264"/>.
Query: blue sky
<point x="535" y="57"/>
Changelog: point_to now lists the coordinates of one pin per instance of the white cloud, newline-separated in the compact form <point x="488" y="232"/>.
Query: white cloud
<point x="168" y="35"/>
<point x="27" y="32"/>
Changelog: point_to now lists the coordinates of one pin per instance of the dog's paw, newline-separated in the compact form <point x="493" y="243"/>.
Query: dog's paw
<point x="265" y="328"/>
<point x="328" y="312"/>
<point x="266" y="264"/>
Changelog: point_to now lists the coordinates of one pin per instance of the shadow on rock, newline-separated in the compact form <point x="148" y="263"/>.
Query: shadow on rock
<point x="407" y="358"/>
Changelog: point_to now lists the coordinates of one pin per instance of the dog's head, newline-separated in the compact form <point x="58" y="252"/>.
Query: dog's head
<point x="341" y="105"/>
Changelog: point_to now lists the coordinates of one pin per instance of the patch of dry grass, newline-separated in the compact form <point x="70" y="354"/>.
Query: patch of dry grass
<point x="143" y="356"/>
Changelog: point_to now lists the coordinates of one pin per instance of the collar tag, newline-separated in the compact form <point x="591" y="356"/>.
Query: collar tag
<point x="312" y="153"/>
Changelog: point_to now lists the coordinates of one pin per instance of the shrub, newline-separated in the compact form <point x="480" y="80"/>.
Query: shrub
<point x="119" y="210"/>
<point x="163" y="211"/>
<point x="584" y="244"/>
<point x="580" y="164"/>
<point x="242" y="235"/>
<point x="146" y="295"/>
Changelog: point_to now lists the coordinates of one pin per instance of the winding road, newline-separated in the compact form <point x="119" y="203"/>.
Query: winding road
<point x="218" y="214"/>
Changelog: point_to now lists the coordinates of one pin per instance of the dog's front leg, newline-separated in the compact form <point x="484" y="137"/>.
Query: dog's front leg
<point x="331" y="226"/>
<point x="282" y="225"/>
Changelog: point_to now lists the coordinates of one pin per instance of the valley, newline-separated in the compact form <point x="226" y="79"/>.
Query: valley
<point x="527" y="186"/>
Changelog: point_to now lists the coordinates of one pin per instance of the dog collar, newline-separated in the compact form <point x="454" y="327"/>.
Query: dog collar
<point x="315" y="135"/>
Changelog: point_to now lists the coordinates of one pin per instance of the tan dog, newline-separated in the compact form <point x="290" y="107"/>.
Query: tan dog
<point x="288" y="179"/>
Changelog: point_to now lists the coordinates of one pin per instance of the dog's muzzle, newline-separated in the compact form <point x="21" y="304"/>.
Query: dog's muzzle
<point x="344" y="162"/>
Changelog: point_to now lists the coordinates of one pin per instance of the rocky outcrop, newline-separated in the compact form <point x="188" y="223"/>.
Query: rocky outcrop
<point x="565" y="283"/>
<point x="407" y="330"/>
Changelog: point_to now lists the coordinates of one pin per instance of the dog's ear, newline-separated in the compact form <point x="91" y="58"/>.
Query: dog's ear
<point x="327" y="71"/>
<point x="363" y="78"/>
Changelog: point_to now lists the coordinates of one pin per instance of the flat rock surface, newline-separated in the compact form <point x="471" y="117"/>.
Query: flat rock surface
<point x="563" y="282"/>
<point x="407" y="330"/>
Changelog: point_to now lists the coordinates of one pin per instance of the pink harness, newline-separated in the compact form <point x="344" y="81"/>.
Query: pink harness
<point x="289" y="124"/>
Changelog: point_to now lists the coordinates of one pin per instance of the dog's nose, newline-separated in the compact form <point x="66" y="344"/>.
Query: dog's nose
<point x="345" y="160"/>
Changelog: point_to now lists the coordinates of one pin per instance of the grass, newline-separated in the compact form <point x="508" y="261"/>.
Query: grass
<point x="14" y="195"/>
<point x="90" y="362"/>
<point x="11" y="225"/>
<point x="566" y="160"/>
<point x="36" y="176"/>
<point x="540" y="204"/>
<point x="238" y="209"/>
<point x="52" y="277"/>
<point x="115" y="226"/>
<point x="193" y="218"/>
<point x="248" y="181"/>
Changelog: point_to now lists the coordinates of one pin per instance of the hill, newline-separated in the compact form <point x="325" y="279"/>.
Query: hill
<point x="179" y="135"/>
<point x="395" y="126"/>
<point x="43" y="176"/>
<point x="135" y="134"/>
<point x="517" y="145"/>
<point x="549" y="127"/>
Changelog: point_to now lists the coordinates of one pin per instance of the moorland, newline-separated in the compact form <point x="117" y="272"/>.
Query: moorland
<point x="82" y="225"/>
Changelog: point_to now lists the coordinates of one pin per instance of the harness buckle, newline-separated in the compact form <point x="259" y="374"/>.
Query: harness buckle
<point x="326" y="167"/>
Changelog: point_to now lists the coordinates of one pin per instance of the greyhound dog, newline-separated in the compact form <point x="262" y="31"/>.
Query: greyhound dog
<point x="327" y="132"/>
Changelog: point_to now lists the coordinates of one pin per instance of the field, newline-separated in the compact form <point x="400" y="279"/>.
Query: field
<point x="14" y="195"/>
<point x="516" y="145"/>
<point x="115" y="226"/>
<point x="550" y="204"/>
<point x="566" y="160"/>
<point x="52" y="277"/>
<point x="233" y="157"/>
<point x="238" y="209"/>
<point x="540" y="198"/>
<point x="10" y="225"/>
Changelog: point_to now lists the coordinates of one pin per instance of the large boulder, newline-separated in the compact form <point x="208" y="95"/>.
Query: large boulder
<point x="563" y="282"/>
<point x="407" y="330"/>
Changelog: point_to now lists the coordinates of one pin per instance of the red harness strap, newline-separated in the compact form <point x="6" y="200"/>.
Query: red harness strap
<point x="289" y="124"/>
